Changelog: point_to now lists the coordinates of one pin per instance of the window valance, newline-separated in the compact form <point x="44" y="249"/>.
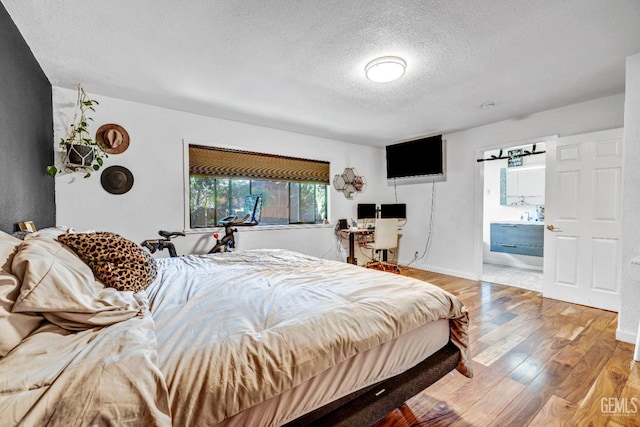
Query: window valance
<point x="229" y="163"/>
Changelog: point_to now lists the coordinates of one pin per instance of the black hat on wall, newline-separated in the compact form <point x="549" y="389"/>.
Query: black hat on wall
<point x="116" y="179"/>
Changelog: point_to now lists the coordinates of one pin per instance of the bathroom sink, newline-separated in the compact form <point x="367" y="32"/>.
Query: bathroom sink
<point x="516" y="221"/>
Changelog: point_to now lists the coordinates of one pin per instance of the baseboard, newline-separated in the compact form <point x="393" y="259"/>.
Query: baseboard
<point x="515" y="260"/>
<point x="516" y="265"/>
<point x="448" y="272"/>
<point x="626" y="336"/>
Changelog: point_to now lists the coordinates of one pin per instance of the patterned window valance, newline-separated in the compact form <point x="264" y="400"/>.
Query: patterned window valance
<point x="228" y="163"/>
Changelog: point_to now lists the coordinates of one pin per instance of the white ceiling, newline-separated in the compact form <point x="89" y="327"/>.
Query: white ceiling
<point x="299" y="64"/>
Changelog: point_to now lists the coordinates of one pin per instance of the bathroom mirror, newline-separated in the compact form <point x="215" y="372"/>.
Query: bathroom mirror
<point x="522" y="186"/>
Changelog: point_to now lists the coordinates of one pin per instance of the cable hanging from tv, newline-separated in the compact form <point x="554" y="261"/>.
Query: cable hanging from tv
<point x="500" y="156"/>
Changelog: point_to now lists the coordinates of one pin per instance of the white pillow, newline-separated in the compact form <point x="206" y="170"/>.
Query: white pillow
<point x="4" y="237"/>
<point x="60" y="286"/>
<point x="51" y="231"/>
<point x="14" y="326"/>
<point x="7" y="250"/>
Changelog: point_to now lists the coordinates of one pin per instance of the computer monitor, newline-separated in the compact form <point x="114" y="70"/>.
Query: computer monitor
<point x="395" y="210"/>
<point x="366" y="210"/>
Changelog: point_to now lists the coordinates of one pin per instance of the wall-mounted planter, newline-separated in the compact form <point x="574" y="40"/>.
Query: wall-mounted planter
<point x="81" y="152"/>
<point x="80" y="155"/>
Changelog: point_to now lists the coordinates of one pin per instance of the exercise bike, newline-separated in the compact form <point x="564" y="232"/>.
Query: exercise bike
<point x="226" y="244"/>
<point x="164" y="243"/>
<point x="228" y="241"/>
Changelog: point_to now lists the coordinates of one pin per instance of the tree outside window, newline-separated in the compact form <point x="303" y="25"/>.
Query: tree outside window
<point x="212" y="199"/>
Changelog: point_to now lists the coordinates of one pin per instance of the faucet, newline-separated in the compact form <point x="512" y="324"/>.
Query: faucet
<point x="528" y="218"/>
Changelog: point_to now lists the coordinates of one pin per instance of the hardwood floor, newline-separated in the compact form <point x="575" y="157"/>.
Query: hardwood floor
<point x="537" y="362"/>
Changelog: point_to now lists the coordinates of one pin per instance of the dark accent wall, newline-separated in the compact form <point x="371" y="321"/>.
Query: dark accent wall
<point x="26" y="133"/>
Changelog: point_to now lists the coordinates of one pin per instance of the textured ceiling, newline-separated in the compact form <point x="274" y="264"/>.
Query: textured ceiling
<point x="299" y="64"/>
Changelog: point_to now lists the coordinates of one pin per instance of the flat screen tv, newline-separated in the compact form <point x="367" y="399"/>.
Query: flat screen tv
<point x="395" y="210"/>
<point x="366" y="210"/>
<point x="419" y="160"/>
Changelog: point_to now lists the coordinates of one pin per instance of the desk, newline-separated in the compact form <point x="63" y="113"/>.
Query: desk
<point x="352" y="232"/>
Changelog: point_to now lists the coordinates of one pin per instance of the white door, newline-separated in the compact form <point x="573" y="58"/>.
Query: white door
<point x="583" y="214"/>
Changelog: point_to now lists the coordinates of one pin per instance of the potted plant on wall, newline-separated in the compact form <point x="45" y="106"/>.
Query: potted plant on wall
<point x="80" y="151"/>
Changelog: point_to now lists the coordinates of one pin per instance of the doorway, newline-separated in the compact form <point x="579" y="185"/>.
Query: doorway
<point x="513" y="215"/>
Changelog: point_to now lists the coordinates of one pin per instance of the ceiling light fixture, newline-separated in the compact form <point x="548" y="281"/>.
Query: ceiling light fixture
<point x="487" y="105"/>
<point x="385" y="69"/>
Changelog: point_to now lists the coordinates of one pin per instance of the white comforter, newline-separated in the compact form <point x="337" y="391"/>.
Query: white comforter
<point x="92" y="361"/>
<point x="235" y="329"/>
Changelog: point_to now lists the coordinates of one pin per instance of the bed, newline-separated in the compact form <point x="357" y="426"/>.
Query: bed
<point x="263" y="337"/>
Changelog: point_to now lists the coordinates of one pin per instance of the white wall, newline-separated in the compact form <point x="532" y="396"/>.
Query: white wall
<point x="456" y="246"/>
<point x="629" y="315"/>
<point x="155" y="157"/>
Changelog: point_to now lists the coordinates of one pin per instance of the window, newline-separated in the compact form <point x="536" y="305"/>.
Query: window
<point x="225" y="182"/>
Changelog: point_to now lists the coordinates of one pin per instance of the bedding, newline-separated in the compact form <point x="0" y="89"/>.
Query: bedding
<point x="242" y="327"/>
<point x="211" y="338"/>
<point x="92" y="360"/>
<point x="14" y="327"/>
<point x="363" y="370"/>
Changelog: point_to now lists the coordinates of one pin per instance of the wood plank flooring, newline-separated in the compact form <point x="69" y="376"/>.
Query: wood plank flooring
<point x="537" y="362"/>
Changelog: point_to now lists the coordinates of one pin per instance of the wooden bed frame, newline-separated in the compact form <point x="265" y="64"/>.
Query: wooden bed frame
<point x="364" y="407"/>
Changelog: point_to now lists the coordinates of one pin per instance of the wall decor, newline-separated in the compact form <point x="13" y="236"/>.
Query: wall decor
<point x="116" y="179"/>
<point x="515" y="158"/>
<point x="349" y="182"/>
<point x="81" y="153"/>
<point x="114" y="138"/>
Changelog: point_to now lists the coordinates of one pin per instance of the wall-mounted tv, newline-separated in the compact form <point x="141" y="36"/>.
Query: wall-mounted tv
<point x="393" y="210"/>
<point x="420" y="160"/>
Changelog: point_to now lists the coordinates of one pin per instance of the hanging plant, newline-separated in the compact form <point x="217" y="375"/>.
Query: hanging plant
<point x="80" y="152"/>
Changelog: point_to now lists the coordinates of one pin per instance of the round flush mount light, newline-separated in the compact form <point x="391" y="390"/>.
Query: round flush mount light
<point x="385" y="69"/>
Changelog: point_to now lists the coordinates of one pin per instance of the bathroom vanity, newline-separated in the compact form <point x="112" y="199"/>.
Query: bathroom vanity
<point x="518" y="237"/>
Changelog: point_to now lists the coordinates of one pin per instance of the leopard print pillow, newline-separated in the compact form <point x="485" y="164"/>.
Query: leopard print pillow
<point x="115" y="261"/>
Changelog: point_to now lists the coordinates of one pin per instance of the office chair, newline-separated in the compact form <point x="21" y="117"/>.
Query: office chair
<point x="385" y="237"/>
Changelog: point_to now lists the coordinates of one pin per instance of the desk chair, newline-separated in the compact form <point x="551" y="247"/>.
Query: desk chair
<point x="385" y="237"/>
